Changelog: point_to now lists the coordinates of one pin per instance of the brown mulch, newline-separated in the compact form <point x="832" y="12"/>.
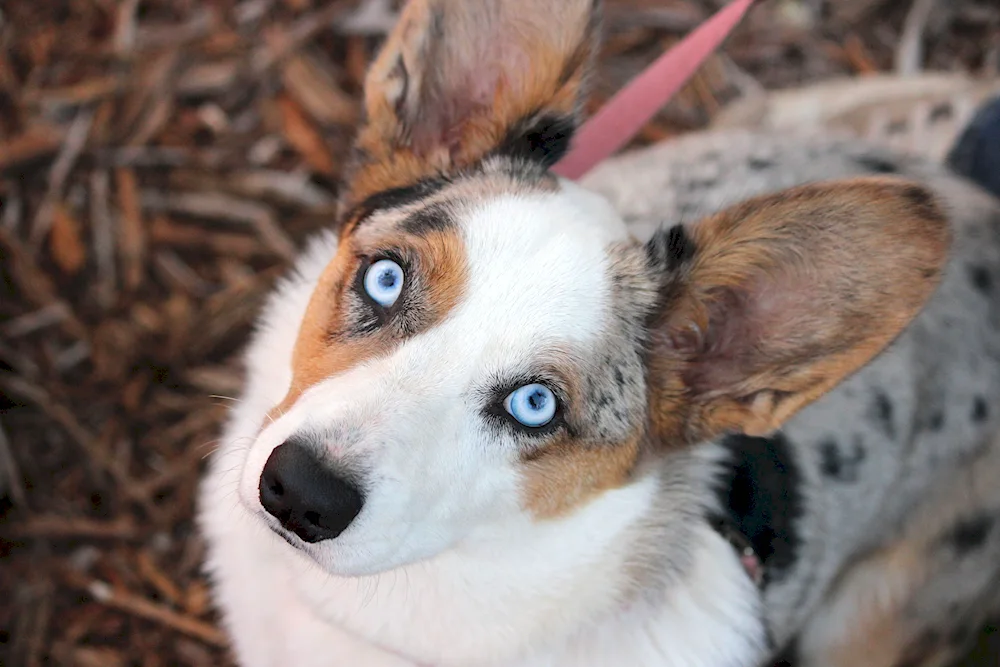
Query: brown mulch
<point x="160" y="162"/>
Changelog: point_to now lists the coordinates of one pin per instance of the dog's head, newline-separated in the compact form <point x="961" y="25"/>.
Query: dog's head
<point x="488" y="347"/>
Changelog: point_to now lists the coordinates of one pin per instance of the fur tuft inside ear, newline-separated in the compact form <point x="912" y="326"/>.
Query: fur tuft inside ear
<point x="770" y="304"/>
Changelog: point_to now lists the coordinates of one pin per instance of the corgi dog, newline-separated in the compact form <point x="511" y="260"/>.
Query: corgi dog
<point x="727" y="400"/>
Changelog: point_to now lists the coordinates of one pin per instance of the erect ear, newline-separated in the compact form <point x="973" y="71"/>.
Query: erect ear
<point x="769" y="304"/>
<point x="459" y="79"/>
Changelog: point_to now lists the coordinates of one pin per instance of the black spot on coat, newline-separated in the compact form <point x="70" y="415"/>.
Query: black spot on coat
<point x="980" y="410"/>
<point x="981" y="278"/>
<point x="936" y="421"/>
<point x="882" y="411"/>
<point x="760" y="163"/>
<point x="876" y="164"/>
<point x="970" y="534"/>
<point x="761" y="492"/>
<point x="837" y="465"/>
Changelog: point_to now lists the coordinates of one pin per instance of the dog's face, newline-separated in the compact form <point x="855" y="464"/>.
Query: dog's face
<point x="488" y="349"/>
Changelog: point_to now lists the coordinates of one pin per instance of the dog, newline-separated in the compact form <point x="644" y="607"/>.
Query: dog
<point x="729" y="400"/>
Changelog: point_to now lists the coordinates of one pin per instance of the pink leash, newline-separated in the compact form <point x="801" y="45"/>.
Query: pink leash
<point x="634" y="105"/>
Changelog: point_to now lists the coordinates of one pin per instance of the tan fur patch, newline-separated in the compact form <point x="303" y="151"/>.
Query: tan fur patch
<point x="567" y="474"/>
<point x="877" y="636"/>
<point x="826" y="276"/>
<point x="323" y="350"/>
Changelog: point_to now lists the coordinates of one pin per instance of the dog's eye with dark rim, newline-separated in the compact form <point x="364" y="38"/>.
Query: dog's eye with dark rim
<point x="532" y="405"/>
<point x="383" y="282"/>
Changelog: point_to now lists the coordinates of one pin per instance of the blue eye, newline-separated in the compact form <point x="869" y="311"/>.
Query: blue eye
<point x="384" y="282"/>
<point x="533" y="405"/>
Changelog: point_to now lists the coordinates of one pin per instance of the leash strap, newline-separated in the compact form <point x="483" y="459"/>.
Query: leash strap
<point x="624" y="115"/>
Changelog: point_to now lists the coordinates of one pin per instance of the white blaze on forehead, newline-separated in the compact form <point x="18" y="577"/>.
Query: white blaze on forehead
<point x="538" y="265"/>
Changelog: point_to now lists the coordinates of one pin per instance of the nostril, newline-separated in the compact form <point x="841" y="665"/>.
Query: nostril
<point x="312" y="517"/>
<point x="276" y="488"/>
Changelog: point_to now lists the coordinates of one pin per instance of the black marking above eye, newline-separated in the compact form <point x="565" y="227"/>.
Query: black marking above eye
<point x="434" y="218"/>
<point x="395" y="198"/>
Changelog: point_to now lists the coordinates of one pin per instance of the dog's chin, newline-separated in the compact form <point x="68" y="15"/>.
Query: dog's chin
<point x="350" y="556"/>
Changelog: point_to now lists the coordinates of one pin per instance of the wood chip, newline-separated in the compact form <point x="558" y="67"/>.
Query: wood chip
<point x="37" y="142"/>
<point x="87" y="656"/>
<point x="179" y="275"/>
<point x="11" y="481"/>
<point x="909" y="53"/>
<point x="183" y="237"/>
<point x="221" y="207"/>
<point x="75" y="140"/>
<point x="132" y="233"/>
<point x="314" y="89"/>
<point x="36" y="320"/>
<point x="283" y="42"/>
<point x="158" y="613"/>
<point x="34" y="284"/>
<point x="103" y="231"/>
<point x="301" y="134"/>
<point x="208" y="78"/>
<point x="156" y="37"/>
<point x="294" y="189"/>
<point x="71" y="528"/>
<point x="50" y="100"/>
<point x="65" y="243"/>
<point x="157" y="578"/>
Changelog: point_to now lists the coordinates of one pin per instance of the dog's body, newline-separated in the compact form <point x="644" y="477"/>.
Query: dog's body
<point x="856" y="456"/>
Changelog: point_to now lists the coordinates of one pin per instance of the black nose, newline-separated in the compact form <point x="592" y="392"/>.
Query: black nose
<point x="306" y="496"/>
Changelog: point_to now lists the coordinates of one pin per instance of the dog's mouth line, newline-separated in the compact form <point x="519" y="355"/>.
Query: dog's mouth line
<point x="275" y="527"/>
